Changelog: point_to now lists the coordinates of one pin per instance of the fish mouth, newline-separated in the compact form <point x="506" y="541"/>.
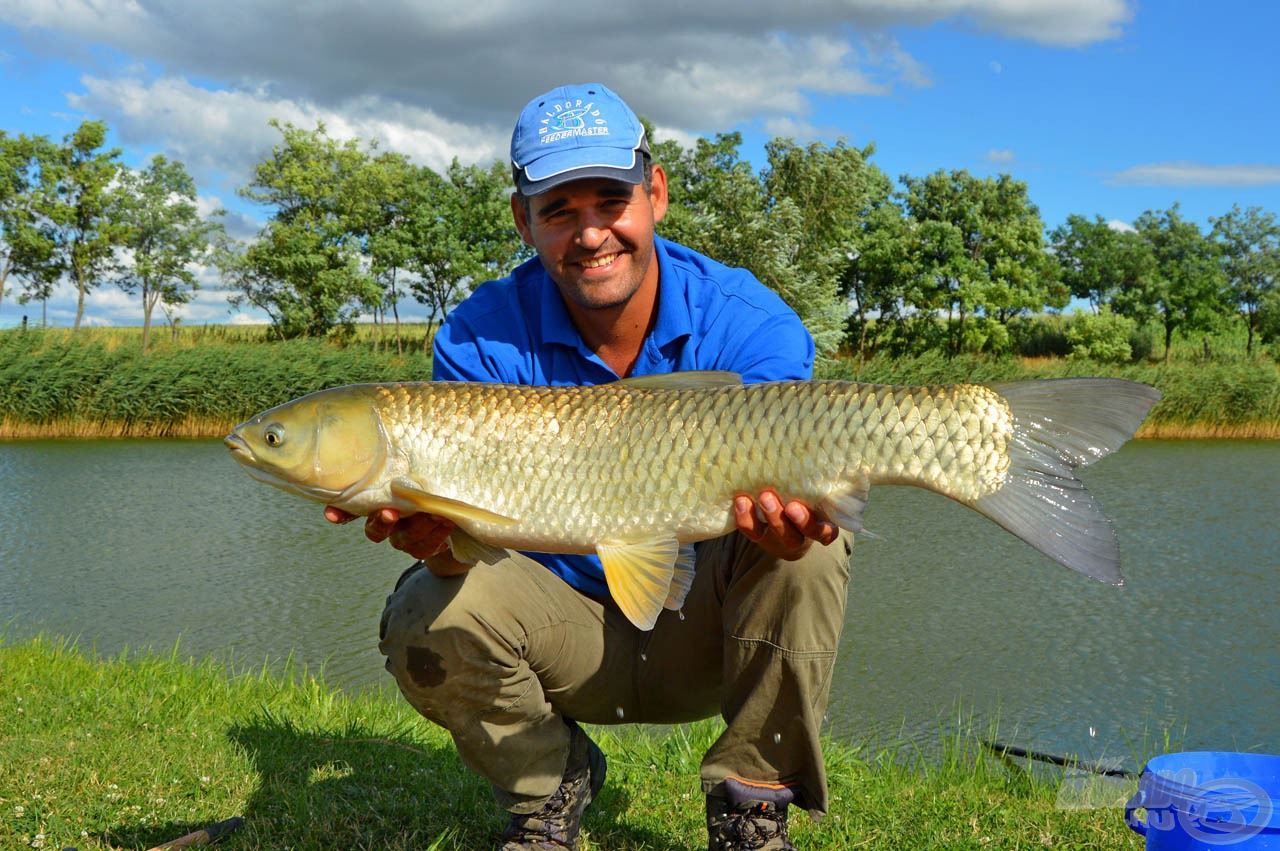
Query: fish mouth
<point x="239" y="448"/>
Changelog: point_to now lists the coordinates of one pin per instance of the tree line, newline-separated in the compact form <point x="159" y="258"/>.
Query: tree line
<point x="946" y="261"/>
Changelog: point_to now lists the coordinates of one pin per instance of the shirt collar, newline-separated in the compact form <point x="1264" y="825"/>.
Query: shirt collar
<point x="673" y="321"/>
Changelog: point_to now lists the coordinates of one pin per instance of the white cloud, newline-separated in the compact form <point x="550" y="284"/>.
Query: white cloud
<point x="1122" y="227"/>
<point x="802" y="131"/>
<point x="1183" y="173"/>
<point x="237" y="224"/>
<point x="435" y="79"/>
<point x="1000" y="156"/>
<point x="228" y="131"/>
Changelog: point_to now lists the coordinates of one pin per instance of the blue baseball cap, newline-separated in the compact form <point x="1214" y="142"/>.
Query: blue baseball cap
<point x="574" y="132"/>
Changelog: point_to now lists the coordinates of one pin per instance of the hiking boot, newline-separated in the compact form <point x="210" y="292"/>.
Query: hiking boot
<point x="556" y="826"/>
<point x="748" y="827"/>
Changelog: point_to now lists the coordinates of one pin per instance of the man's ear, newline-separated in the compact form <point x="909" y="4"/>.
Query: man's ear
<point x="521" y="219"/>
<point x="658" y="194"/>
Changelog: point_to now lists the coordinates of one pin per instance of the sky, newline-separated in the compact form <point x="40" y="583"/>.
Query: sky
<point x="1103" y="107"/>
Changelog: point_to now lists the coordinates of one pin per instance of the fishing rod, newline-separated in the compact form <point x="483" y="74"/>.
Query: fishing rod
<point x="1065" y="761"/>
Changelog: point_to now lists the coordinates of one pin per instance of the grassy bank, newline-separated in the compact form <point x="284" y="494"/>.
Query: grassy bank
<point x="58" y="384"/>
<point x="97" y="384"/>
<point x="132" y="752"/>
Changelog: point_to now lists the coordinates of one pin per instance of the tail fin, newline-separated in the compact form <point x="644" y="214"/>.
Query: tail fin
<point x="1060" y="424"/>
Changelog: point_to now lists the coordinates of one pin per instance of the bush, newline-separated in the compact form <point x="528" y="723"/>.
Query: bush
<point x="1101" y="337"/>
<point x="1039" y="336"/>
<point x="985" y="335"/>
<point x="1143" y="341"/>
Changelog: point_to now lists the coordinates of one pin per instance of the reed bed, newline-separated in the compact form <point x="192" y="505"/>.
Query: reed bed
<point x="98" y="384"/>
<point x="1234" y="396"/>
<point x="57" y="385"/>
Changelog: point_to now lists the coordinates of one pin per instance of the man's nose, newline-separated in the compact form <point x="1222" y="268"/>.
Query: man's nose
<point x="593" y="231"/>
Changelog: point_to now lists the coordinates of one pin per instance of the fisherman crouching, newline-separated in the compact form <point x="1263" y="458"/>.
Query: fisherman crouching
<point x="511" y="657"/>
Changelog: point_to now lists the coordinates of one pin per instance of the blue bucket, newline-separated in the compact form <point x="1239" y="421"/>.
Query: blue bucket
<point x="1206" y="800"/>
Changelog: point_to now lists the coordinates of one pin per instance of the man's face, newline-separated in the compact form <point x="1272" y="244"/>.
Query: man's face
<point x="595" y="236"/>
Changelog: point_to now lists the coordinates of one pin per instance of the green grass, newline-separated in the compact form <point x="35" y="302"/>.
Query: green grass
<point x="130" y="752"/>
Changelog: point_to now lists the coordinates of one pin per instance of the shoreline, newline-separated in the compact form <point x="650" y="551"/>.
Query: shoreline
<point x="195" y="428"/>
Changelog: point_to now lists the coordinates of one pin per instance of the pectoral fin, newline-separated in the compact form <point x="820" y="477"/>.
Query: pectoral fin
<point x="409" y="492"/>
<point x="639" y="574"/>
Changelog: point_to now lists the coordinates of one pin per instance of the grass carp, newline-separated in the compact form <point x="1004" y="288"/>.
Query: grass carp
<point x="638" y="470"/>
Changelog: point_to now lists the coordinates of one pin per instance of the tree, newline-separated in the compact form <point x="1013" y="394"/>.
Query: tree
<point x="882" y="262"/>
<point x="981" y="244"/>
<point x="76" y="209"/>
<point x="307" y="268"/>
<point x="391" y="178"/>
<point x="794" y="225"/>
<point x="1186" y="291"/>
<point x="1096" y="261"/>
<point x="1250" y="253"/>
<point x="163" y="235"/>
<point x="460" y="233"/>
<point x="835" y="189"/>
<point x="17" y="159"/>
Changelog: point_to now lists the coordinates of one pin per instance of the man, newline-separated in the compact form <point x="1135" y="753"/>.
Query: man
<point x="510" y="656"/>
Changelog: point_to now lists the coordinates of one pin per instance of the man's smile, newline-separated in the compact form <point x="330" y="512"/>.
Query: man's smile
<point x="599" y="262"/>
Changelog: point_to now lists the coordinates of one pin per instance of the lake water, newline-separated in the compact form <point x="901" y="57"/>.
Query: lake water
<point x="151" y="543"/>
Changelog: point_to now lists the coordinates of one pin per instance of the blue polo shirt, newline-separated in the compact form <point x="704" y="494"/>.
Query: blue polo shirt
<point x="516" y="330"/>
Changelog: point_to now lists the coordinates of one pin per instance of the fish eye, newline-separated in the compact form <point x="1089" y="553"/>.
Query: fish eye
<point x="274" y="434"/>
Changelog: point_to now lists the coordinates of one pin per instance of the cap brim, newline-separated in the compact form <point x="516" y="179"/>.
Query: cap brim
<point x="634" y="174"/>
<point x="624" y="164"/>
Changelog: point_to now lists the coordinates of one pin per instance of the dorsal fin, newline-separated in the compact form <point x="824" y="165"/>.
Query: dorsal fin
<point x="693" y="379"/>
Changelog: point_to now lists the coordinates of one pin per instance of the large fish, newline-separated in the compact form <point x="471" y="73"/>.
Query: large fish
<point x="638" y="470"/>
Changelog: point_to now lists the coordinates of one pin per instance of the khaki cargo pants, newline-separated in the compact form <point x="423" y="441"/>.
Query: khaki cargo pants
<point x="507" y="656"/>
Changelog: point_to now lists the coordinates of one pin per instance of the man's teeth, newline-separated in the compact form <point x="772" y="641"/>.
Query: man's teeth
<point x="597" y="262"/>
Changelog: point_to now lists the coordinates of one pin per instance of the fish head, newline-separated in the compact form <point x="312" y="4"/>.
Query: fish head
<point x="325" y="446"/>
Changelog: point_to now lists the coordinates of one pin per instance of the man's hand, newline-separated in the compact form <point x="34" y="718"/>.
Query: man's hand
<point x="423" y="536"/>
<point x="785" y="532"/>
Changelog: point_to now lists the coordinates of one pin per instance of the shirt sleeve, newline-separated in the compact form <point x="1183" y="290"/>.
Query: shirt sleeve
<point x="778" y="349"/>
<point x="456" y="355"/>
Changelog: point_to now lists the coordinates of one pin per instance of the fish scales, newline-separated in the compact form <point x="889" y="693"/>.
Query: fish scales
<point x="634" y="469"/>
<point x="625" y="461"/>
